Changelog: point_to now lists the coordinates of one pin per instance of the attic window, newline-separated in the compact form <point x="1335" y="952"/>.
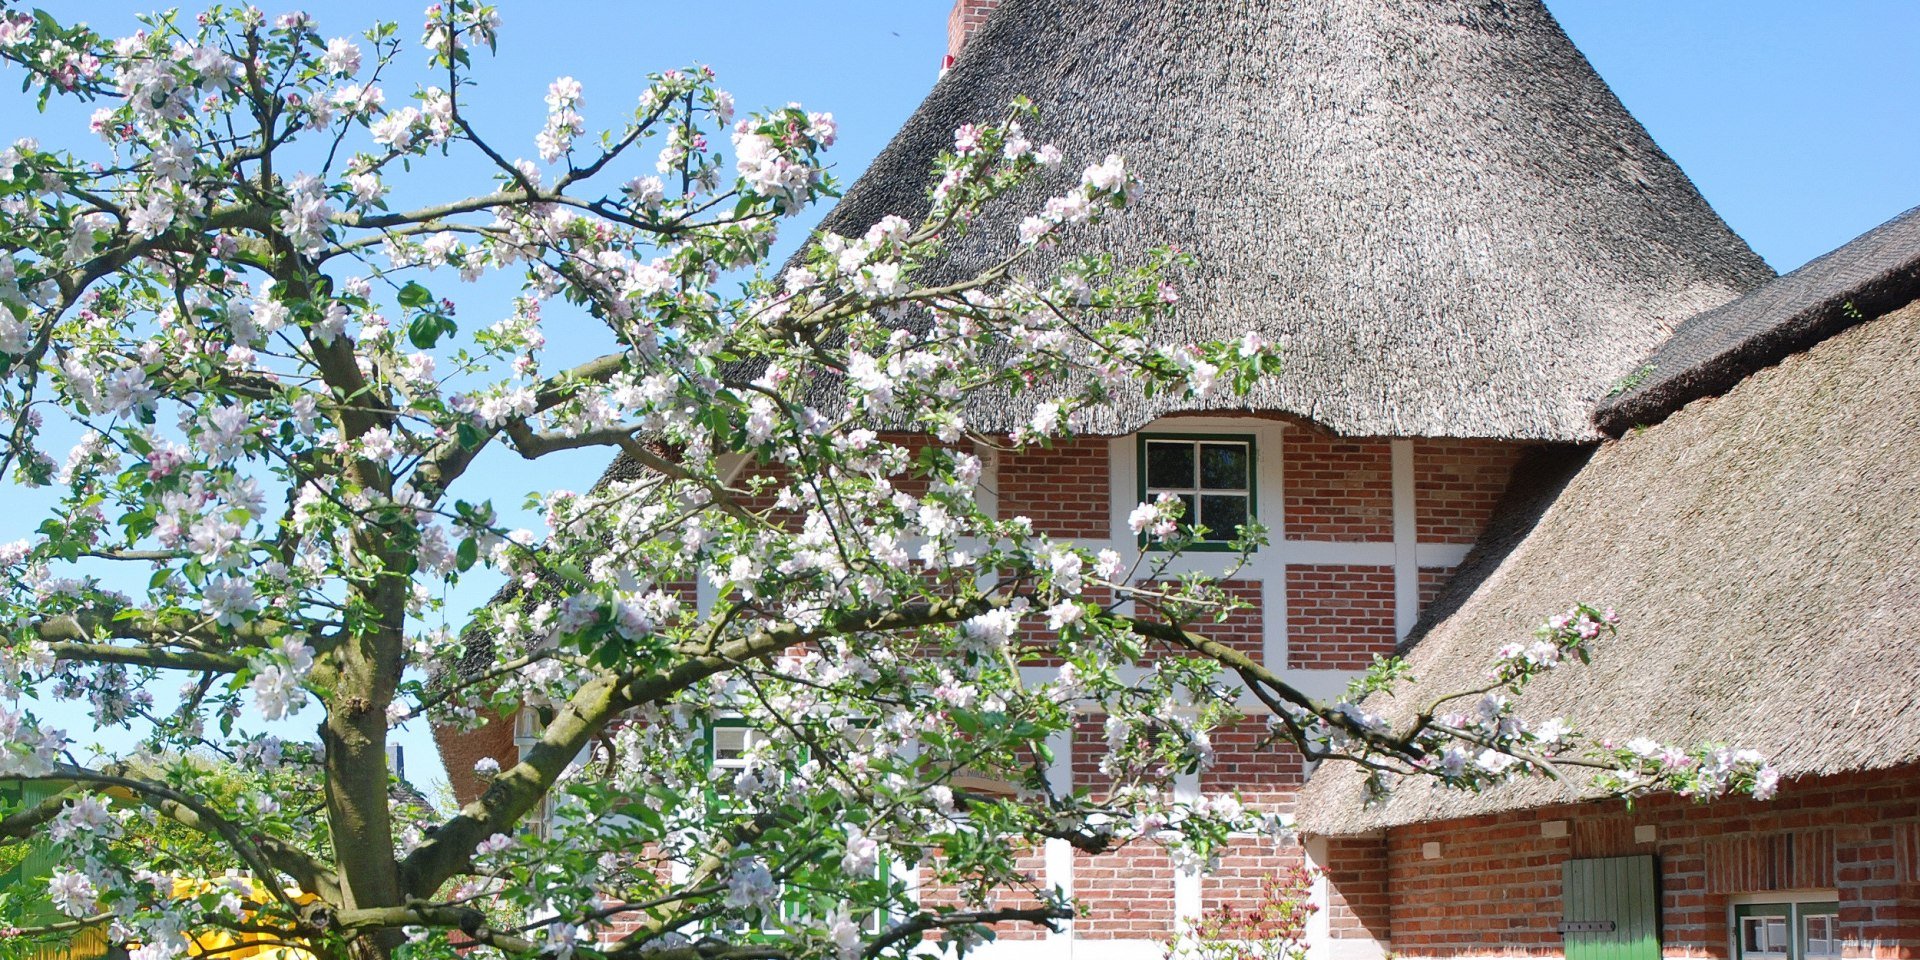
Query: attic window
<point x="1212" y="475"/>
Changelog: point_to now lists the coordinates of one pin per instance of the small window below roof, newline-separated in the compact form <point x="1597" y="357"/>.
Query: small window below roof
<point x="1212" y="475"/>
<point x="1795" y="930"/>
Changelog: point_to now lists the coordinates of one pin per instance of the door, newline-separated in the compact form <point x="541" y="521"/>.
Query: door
<point x="1610" y="909"/>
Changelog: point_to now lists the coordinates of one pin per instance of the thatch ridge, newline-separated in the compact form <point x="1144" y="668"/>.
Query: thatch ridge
<point x="1763" y="549"/>
<point x="1437" y="205"/>
<point x="1872" y="274"/>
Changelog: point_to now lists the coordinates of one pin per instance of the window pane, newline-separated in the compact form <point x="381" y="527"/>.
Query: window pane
<point x="1222" y="514"/>
<point x="729" y="745"/>
<point x="1823" y="935"/>
<point x="1763" y="936"/>
<point x="1170" y="465"/>
<point x="1223" y="466"/>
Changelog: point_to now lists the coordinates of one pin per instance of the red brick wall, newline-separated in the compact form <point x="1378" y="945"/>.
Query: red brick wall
<point x="967" y="16"/>
<point x="1432" y="581"/>
<point x="1127" y="894"/>
<point x="1456" y="485"/>
<point x="1089" y="745"/>
<point x="1265" y="774"/>
<point x="1357" y="905"/>
<point x="1338" y="489"/>
<point x="1338" y="617"/>
<point x="1033" y="871"/>
<point x="1244" y="870"/>
<point x="1496" y="886"/>
<point x="1243" y="629"/>
<point x="1063" y="489"/>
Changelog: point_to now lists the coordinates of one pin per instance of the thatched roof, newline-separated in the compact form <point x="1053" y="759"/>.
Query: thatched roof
<point x="1763" y="549"/>
<point x="1437" y="204"/>
<point x="1871" y="275"/>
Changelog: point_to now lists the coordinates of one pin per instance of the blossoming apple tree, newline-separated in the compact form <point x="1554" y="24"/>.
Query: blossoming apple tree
<point x="236" y="359"/>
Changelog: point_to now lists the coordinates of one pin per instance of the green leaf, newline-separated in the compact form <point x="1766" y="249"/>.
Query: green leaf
<point x="413" y="295"/>
<point x="424" y="331"/>
<point x="468" y="553"/>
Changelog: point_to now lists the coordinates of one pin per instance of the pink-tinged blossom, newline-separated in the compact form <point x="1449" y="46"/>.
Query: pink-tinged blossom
<point x="1142" y="516"/>
<point x="822" y="129"/>
<point x="308" y="214"/>
<point x="229" y="600"/>
<point x="15" y="29"/>
<point x="224" y="432"/>
<point x="72" y="893"/>
<point x="367" y="188"/>
<point x="645" y="192"/>
<point x="1046" y="418"/>
<point x="862" y="853"/>
<point x="396" y="129"/>
<point x="1063" y="613"/>
<point x="87" y="815"/>
<point x="750" y="884"/>
<point x="562" y="93"/>
<point x="152" y="218"/>
<point x="356" y="99"/>
<point x="377" y="444"/>
<point x="342" y="57"/>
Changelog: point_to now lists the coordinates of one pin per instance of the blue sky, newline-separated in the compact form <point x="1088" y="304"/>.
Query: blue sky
<point x="1796" y="120"/>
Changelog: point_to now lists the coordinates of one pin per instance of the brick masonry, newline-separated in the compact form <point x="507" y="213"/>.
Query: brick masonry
<point x="1432" y="581"/>
<point x="1266" y="774"/>
<point x="1062" y="489"/>
<point x="1241" y="877"/>
<point x="1338" y="617"/>
<point x="1243" y="629"/>
<point x="1032" y="869"/>
<point x="1336" y="489"/>
<point x="1457" y="483"/>
<point x="1127" y="894"/>
<point x="1496" y="886"/>
<point x="967" y="16"/>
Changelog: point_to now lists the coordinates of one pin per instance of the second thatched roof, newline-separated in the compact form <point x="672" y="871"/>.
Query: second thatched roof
<point x="1762" y="548"/>
<point x="1437" y="205"/>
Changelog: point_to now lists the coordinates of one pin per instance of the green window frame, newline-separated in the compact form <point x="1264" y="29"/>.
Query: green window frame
<point x="1208" y="489"/>
<point x="1799" y="930"/>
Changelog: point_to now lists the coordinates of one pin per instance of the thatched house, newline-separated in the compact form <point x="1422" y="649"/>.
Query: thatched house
<point x="1481" y="266"/>
<point x="1757" y="523"/>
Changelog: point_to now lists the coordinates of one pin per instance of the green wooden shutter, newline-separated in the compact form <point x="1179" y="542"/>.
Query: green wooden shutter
<point x="1612" y="891"/>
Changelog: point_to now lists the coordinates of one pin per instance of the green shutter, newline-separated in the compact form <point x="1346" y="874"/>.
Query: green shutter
<point x="1614" y="890"/>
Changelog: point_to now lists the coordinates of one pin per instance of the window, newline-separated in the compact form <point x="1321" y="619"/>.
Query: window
<point x="1808" y="930"/>
<point x="1212" y="476"/>
<point x="730" y="744"/>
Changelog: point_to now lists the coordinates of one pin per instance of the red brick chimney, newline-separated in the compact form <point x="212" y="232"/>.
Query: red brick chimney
<point x="967" y="16"/>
